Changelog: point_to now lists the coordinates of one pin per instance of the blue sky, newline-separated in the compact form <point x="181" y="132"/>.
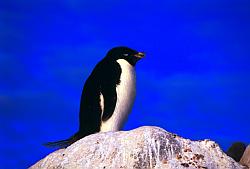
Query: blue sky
<point x="194" y="80"/>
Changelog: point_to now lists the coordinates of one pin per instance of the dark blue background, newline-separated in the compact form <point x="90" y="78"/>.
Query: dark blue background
<point x="194" y="80"/>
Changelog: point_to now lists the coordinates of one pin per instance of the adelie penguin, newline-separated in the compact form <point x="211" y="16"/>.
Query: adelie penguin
<point x="108" y="95"/>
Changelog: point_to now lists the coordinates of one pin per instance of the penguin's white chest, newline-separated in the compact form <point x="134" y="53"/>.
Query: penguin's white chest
<point x="126" y="91"/>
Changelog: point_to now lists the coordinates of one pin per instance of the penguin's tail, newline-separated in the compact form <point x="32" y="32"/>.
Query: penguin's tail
<point x="62" y="143"/>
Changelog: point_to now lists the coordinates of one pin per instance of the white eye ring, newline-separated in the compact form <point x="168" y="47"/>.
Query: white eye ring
<point x="125" y="54"/>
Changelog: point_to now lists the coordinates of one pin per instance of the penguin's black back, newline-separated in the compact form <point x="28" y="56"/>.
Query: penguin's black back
<point x="103" y="79"/>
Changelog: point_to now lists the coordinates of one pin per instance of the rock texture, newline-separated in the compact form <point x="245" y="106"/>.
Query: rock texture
<point x="245" y="160"/>
<point x="236" y="150"/>
<point x="142" y="148"/>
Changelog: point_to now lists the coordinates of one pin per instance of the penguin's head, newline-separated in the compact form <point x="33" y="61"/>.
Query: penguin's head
<point x="132" y="56"/>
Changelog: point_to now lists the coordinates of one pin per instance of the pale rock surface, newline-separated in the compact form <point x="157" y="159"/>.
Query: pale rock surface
<point x="141" y="148"/>
<point x="245" y="159"/>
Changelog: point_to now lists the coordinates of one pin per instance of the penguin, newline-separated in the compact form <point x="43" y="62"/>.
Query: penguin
<point x="108" y="95"/>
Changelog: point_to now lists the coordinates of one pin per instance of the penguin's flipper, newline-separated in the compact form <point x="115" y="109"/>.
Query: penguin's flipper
<point x="109" y="82"/>
<point x="110" y="98"/>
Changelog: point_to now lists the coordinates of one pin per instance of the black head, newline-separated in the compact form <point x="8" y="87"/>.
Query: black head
<point x="132" y="56"/>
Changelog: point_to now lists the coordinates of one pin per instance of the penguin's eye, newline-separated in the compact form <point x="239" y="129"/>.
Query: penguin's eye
<point x="125" y="54"/>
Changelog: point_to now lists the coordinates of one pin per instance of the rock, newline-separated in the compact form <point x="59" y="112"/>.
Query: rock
<point x="245" y="160"/>
<point x="236" y="150"/>
<point x="142" y="148"/>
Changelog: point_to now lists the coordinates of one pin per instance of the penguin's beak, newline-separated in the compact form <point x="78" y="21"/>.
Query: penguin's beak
<point x="140" y="55"/>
